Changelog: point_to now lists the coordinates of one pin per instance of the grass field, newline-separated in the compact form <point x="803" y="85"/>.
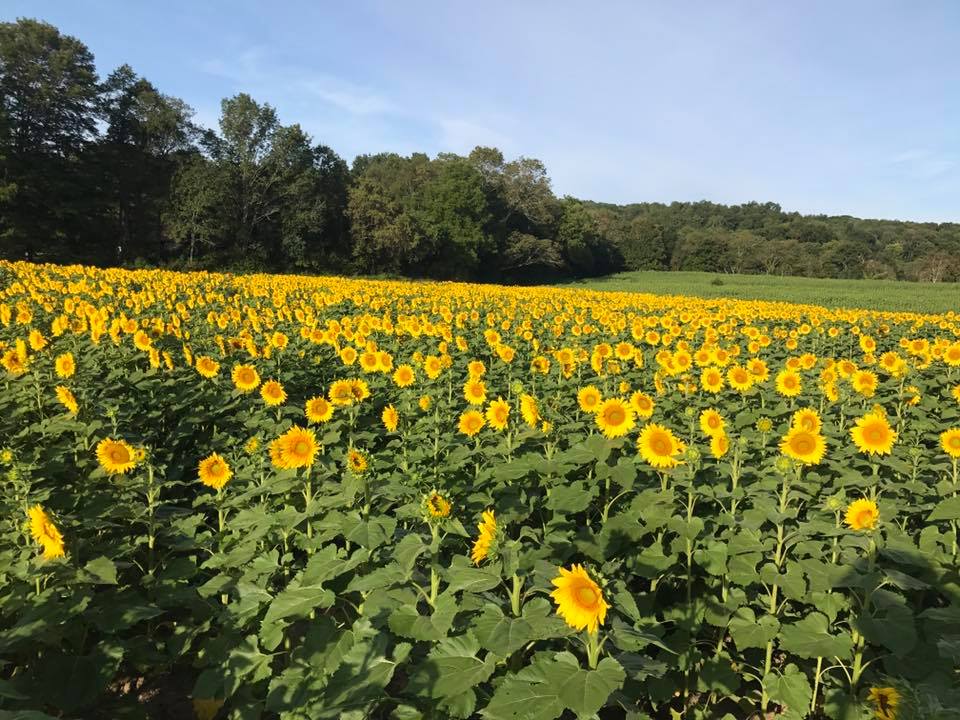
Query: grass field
<point x="868" y="294"/>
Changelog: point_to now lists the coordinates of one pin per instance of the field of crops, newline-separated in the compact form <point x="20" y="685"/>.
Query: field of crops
<point x="895" y="295"/>
<point x="286" y="497"/>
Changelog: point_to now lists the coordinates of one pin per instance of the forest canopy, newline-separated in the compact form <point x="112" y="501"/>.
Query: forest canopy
<point x="112" y="171"/>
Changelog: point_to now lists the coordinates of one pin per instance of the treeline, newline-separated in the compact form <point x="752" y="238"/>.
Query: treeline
<point x="115" y="172"/>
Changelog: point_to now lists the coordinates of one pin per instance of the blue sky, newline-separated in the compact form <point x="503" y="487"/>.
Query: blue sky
<point x="846" y="107"/>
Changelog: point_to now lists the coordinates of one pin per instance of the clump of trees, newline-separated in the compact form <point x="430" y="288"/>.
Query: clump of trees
<point x="115" y="172"/>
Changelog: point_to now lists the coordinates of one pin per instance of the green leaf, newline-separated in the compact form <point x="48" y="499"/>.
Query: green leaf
<point x="452" y="668"/>
<point x="407" y="621"/>
<point x="791" y="689"/>
<point x="717" y="675"/>
<point x="501" y="634"/>
<point x="528" y="695"/>
<point x="462" y="577"/>
<point x="298" y="602"/>
<point x="100" y="571"/>
<point x="810" y="638"/>
<point x="586" y="691"/>
<point x="948" y="509"/>
<point x="748" y="632"/>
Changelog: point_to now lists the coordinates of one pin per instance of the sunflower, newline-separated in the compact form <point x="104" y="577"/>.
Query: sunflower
<point x="476" y="369"/>
<point x="579" y="599"/>
<point x="341" y="392"/>
<point x="404" y="376"/>
<point x="872" y="434"/>
<point x="318" y="410"/>
<point x="803" y="446"/>
<point x="214" y="471"/>
<point x="498" y="412"/>
<point x="862" y="514"/>
<point x="66" y="398"/>
<point x="359" y="390"/>
<point x="424" y="403"/>
<point x="348" y="356"/>
<point x="615" y="417"/>
<point x="294" y="449"/>
<point x="437" y="505"/>
<point x="806" y="419"/>
<point x="475" y="391"/>
<point x="487" y="534"/>
<point x="711" y="422"/>
<point x="642" y="404"/>
<point x="885" y="701"/>
<point x="208" y="367"/>
<point x="659" y="446"/>
<point x="471" y="423"/>
<point x="950" y="442"/>
<point x="719" y="445"/>
<point x="116" y="456"/>
<point x="529" y="410"/>
<point x="245" y="378"/>
<point x="390" y="418"/>
<point x="788" y="383"/>
<point x="740" y="378"/>
<point x="864" y="382"/>
<point x="251" y="445"/>
<point x="45" y="533"/>
<point x="589" y="398"/>
<point x="64" y="365"/>
<point x="711" y="380"/>
<point x="357" y="462"/>
<point x="368" y="362"/>
<point x="273" y="393"/>
<point x="433" y="366"/>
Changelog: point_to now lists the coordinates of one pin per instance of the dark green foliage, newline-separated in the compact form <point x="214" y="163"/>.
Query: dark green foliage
<point x="116" y="173"/>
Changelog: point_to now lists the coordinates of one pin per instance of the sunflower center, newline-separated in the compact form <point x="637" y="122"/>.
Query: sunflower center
<point x="875" y="434"/>
<point x="300" y="448"/>
<point x="586" y="596"/>
<point x="119" y="455"/>
<point x="615" y="416"/>
<point x="660" y="446"/>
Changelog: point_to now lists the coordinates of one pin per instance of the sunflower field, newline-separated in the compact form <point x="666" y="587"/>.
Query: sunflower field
<point x="289" y="497"/>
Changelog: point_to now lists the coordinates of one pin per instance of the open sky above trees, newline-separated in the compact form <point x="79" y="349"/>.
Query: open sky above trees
<point x="102" y="164"/>
<point x="822" y="107"/>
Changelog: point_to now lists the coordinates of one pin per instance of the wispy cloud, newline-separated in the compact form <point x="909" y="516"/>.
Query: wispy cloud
<point x="923" y="164"/>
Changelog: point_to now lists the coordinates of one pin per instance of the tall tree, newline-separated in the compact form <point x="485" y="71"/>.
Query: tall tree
<point x="48" y="91"/>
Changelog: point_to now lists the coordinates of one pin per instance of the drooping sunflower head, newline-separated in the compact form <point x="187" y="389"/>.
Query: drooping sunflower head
<point x="357" y="461"/>
<point x="529" y="410"/>
<point x="660" y="447"/>
<point x="45" y="533"/>
<point x="341" y="392"/>
<point x="873" y="435"/>
<point x="214" y="471"/>
<point x="614" y="417"/>
<point x="359" y="390"/>
<point x="579" y="599"/>
<point x="437" y="506"/>
<point x="486" y="537"/>
<point x="885" y="701"/>
<point x="67" y="399"/>
<point x="719" y="445"/>
<point x="116" y="456"/>
<point x="390" y="418"/>
<point x="862" y="514"/>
